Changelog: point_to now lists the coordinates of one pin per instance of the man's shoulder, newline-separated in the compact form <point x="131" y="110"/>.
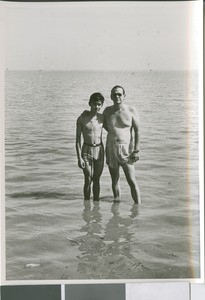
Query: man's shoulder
<point x="83" y="115"/>
<point x="132" y="108"/>
<point x="134" y="113"/>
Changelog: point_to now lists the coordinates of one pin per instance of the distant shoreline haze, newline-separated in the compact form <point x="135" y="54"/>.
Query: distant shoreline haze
<point x="141" y="70"/>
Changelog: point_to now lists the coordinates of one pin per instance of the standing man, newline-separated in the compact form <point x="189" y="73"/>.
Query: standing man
<point x="122" y="149"/>
<point x="91" y="154"/>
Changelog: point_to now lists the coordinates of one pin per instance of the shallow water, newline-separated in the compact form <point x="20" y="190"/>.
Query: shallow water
<point x="51" y="232"/>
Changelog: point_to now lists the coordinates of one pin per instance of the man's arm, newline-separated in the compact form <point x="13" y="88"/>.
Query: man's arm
<point x="104" y="122"/>
<point x="136" y="127"/>
<point x="81" y="163"/>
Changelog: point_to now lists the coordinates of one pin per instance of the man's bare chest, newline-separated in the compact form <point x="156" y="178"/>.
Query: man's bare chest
<point x="120" y="119"/>
<point x="93" y="125"/>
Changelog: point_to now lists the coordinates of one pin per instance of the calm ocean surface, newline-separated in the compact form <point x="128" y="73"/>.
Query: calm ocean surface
<point x="51" y="233"/>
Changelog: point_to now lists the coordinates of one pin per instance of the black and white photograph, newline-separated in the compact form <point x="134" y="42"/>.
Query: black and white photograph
<point x="103" y="141"/>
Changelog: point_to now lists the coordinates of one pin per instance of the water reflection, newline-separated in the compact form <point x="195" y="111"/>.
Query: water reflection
<point x="105" y="244"/>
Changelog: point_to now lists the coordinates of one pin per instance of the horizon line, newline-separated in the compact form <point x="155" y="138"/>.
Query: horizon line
<point x="101" y="70"/>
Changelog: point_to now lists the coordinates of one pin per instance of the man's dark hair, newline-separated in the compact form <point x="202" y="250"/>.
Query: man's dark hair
<point x="96" y="97"/>
<point x="116" y="87"/>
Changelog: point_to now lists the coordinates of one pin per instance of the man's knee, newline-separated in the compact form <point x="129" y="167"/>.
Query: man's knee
<point x="131" y="180"/>
<point x="96" y="180"/>
<point x="114" y="173"/>
<point x="88" y="179"/>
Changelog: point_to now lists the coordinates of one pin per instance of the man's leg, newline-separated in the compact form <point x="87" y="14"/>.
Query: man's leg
<point x="87" y="181"/>
<point x="129" y="171"/>
<point x="98" y="168"/>
<point x="115" y="176"/>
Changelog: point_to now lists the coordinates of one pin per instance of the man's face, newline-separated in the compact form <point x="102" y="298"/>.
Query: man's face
<point x="96" y="106"/>
<point x="117" y="95"/>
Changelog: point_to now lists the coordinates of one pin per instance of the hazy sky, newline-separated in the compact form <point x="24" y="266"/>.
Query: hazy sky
<point x="102" y="35"/>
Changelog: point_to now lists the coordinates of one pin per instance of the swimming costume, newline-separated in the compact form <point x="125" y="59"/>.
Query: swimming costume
<point x="118" y="154"/>
<point x="92" y="153"/>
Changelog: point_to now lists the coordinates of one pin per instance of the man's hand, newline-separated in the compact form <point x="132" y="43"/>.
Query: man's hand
<point x="81" y="163"/>
<point x="134" y="156"/>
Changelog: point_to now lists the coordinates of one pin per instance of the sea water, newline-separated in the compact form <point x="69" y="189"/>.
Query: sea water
<point x="51" y="232"/>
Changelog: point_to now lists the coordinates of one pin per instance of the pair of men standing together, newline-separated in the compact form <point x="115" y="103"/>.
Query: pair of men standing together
<point x="120" y="121"/>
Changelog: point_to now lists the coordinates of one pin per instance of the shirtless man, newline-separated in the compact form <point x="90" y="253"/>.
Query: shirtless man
<point x="122" y="150"/>
<point x="91" y="154"/>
